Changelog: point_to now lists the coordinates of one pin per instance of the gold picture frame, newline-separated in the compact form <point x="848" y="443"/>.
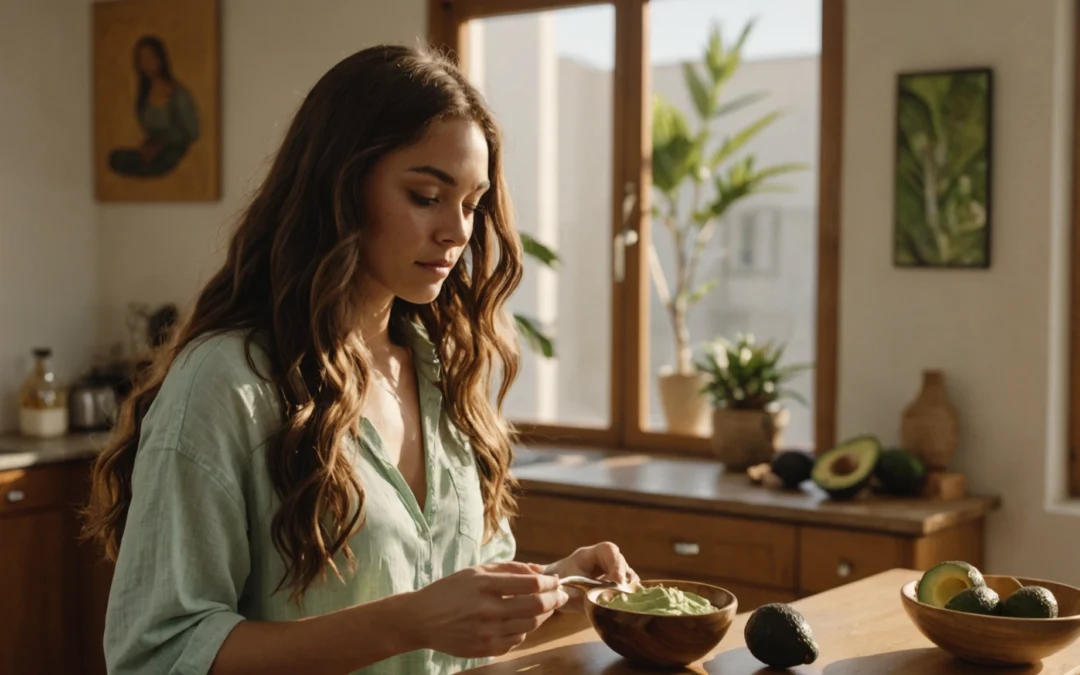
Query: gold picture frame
<point x="157" y="100"/>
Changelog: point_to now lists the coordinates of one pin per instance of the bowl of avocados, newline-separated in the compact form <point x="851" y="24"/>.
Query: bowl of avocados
<point x="992" y="620"/>
<point x="667" y="623"/>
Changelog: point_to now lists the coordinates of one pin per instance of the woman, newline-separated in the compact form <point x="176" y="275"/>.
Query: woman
<point x="166" y="113"/>
<point x="312" y="478"/>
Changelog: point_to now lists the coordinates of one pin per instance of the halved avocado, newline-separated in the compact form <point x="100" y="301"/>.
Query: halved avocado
<point x="944" y="581"/>
<point x="846" y="469"/>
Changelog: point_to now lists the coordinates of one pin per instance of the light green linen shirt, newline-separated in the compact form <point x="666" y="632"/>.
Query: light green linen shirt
<point x="197" y="556"/>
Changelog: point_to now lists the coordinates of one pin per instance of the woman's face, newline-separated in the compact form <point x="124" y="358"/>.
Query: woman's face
<point x="149" y="65"/>
<point x="421" y="202"/>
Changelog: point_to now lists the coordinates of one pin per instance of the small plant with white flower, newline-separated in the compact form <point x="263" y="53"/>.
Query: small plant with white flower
<point x="746" y="382"/>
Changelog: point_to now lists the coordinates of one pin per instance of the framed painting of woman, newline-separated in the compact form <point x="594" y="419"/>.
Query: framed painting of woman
<point x="156" y="100"/>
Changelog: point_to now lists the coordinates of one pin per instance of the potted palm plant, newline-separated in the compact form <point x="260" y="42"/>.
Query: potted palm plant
<point x="698" y="179"/>
<point x="746" y="384"/>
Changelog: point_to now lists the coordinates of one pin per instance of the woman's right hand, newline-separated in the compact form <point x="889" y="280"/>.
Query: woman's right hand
<point x="485" y="610"/>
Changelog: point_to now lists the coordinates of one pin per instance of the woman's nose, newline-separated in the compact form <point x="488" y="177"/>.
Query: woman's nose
<point x="457" y="229"/>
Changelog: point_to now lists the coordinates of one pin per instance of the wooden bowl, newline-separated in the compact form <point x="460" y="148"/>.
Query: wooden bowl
<point x="998" y="640"/>
<point x="659" y="640"/>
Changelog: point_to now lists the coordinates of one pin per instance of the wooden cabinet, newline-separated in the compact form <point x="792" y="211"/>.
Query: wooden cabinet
<point x="690" y="520"/>
<point x="53" y="589"/>
<point x="759" y="560"/>
<point x="32" y="593"/>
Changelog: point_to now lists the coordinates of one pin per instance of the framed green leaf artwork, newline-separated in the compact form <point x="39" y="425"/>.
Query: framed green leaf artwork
<point x="941" y="210"/>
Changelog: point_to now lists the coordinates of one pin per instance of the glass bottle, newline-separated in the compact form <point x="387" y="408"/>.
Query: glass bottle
<point x="43" y="410"/>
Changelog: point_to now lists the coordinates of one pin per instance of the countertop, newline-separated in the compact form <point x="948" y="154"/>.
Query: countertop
<point x="703" y="485"/>
<point x="638" y="479"/>
<point x="861" y="629"/>
<point x="20" y="452"/>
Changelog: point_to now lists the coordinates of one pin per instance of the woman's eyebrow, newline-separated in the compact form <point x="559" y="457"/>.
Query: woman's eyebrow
<point x="444" y="176"/>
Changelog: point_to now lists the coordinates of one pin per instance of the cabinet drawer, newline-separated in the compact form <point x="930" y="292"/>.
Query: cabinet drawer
<point x="830" y="557"/>
<point x="33" y="488"/>
<point x="661" y="540"/>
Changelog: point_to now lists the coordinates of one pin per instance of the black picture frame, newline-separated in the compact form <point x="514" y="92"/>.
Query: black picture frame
<point x="943" y="135"/>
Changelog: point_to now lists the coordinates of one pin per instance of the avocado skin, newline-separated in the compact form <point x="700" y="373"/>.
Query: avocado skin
<point x="900" y="472"/>
<point x="1030" y="602"/>
<point x="975" y="600"/>
<point x="778" y="636"/>
<point x="792" y="467"/>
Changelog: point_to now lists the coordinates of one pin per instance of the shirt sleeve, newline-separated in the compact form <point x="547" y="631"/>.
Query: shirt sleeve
<point x="502" y="547"/>
<point x="182" y="564"/>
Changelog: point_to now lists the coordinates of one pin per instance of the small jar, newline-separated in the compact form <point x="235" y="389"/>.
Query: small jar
<point x="43" y="410"/>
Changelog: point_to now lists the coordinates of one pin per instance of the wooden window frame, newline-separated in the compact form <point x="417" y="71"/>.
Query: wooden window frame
<point x="1074" y="271"/>
<point x="630" y="376"/>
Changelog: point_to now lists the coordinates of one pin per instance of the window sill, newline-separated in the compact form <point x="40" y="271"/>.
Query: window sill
<point x="1064" y="507"/>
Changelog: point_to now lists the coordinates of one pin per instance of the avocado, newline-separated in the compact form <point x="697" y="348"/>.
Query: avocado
<point x="792" y="467"/>
<point x="845" y="470"/>
<point x="778" y="636"/>
<point x="900" y="472"/>
<point x="942" y="582"/>
<point x="1030" y="602"/>
<point x="975" y="600"/>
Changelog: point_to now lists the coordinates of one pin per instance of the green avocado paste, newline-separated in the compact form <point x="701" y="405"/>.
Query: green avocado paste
<point x="661" y="600"/>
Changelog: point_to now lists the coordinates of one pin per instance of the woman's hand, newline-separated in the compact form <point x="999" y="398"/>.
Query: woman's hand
<point x="599" y="561"/>
<point x="485" y="610"/>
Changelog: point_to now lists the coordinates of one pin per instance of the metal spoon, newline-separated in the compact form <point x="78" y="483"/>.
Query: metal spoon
<point x="586" y="583"/>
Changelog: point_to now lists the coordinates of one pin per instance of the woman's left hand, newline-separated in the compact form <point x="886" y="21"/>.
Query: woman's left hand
<point x="599" y="561"/>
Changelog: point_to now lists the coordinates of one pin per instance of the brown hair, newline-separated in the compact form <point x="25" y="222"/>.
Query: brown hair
<point x="289" y="276"/>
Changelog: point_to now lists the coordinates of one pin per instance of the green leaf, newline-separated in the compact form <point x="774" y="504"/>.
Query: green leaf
<point x="704" y="94"/>
<point x="531" y="332"/>
<point x="793" y="395"/>
<point x="699" y="293"/>
<point x="778" y="169"/>
<point x="714" y="55"/>
<point x="740" y="103"/>
<point x="533" y="248"/>
<point x="733" y="144"/>
<point x="675" y="151"/>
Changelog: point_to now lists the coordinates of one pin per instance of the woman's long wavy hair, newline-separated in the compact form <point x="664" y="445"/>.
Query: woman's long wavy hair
<point x="290" y="276"/>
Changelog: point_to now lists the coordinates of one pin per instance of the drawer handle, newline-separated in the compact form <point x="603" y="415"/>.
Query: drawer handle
<point x="843" y="570"/>
<point x="15" y="496"/>
<point x="686" y="548"/>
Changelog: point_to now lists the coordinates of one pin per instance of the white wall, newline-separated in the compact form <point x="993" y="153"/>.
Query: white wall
<point x="48" y="274"/>
<point x="273" y="51"/>
<point x="986" y="329"/>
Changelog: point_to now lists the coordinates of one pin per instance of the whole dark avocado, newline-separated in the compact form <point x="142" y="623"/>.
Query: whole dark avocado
<point x="900" y="472"/>
<point x="792" y="467"/>
<point x="778" y="636"/>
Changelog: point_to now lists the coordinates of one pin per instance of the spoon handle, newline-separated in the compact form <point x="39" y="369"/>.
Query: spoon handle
<point x="585" y="583"/>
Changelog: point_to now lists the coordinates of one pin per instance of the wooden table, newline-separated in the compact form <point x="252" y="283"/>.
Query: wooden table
<point x="860" y="628"/>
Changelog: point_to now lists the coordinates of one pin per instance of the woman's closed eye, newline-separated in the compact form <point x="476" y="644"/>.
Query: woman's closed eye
<point x="421" y="200"/>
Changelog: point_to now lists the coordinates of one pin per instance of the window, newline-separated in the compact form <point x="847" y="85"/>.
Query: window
<point x="579" y="87"/>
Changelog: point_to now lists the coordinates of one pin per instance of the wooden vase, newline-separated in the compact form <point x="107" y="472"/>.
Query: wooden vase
<point x="744" y="438"/>
<point x="930" y="426"/>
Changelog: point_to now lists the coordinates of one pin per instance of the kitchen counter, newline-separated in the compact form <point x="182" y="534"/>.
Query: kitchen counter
<point x="20" y="452"/>
<point x="702" y="485"/>
<point x="699" y="485"/>
<point x="860" y="628"/>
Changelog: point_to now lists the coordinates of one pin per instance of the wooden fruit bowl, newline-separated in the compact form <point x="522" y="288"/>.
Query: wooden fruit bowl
<point x="997" y="640"/>
<point x="658" y="640"/>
